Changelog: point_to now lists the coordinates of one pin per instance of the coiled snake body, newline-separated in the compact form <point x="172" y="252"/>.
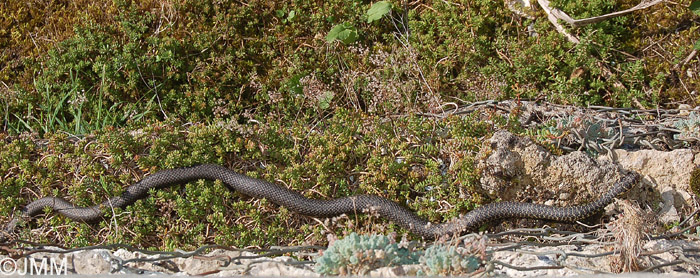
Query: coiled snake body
<point x="328" y="208"/>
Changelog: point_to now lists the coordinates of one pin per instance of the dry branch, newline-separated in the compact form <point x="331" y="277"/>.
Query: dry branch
<point x="559" y="14"/>
<point x="554" y="19"/>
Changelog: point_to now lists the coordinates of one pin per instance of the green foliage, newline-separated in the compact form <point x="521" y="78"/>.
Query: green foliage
<point x="580" y="129"/>
<point x="695" y="7"/>
<point x="346" y="154"/>
<point x="357" y="255"/>
<point x="29" y="30"/>
<point x="378" y="10"/>
<point x="344" y="32"/>
<point x="198" y="61"/>
<point x="448" y="261"/>
<point x="106" y="75"/>
<point x="589" y="129"/>
<point x="347" y="33"/>
<point x="690" y="127"/>
<point x="325" y="101"/>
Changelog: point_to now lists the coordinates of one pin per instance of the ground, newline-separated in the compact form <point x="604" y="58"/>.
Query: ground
<point x="98" y="94"/>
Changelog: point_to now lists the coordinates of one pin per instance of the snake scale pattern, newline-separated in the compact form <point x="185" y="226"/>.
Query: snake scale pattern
<point x="296" y="202"/>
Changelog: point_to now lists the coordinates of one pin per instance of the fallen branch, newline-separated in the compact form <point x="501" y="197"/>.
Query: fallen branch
<point x="559" y="14"/>
<point x="554" y="19"/>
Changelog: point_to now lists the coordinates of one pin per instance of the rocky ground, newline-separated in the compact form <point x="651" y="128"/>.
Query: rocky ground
<point x="560" y="260"/>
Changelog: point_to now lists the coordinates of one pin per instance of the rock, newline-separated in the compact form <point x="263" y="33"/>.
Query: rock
<point x="205" y="264"/>
<point x="91" y="262"/>
<point x="280" y="266"/>
<point x="530" y="256"/>
<point x="141" y="267"/>
<point x="411" y="270"/>
<point x="36" y="264"/>
<point x="517" y="169"/>
<point x="684" y="109"/>
<point x="567" y="258"/>
<point x="388" y="272"/>
<point x="665" y="244"/>
<point x="666" y="177"/>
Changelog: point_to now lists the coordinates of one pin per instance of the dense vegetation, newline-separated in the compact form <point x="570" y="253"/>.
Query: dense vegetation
<point x="96" y="94"/>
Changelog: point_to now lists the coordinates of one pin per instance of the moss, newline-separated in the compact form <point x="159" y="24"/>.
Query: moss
<point x="695" y="181"/>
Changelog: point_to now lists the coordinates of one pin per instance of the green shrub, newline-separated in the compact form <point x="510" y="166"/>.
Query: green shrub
<point x="347" y="154"/>
<point x="448" y="261"/>
<point x="357" y="255"/>
<point x="196" y="61"/>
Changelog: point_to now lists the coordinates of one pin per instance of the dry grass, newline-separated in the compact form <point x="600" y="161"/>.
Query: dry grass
<point x="628" y="231"/>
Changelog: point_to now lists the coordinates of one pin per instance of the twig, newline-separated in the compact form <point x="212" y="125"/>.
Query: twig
<point x="687" y="59"/>
<point x="554" y="15"/>
<point x="559" y="14"/>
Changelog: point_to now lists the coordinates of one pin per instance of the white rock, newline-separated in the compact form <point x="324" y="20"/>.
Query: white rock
<point x="91" y="262"/>
<point x="208" y="263"/>
<point x="667" y="174"/>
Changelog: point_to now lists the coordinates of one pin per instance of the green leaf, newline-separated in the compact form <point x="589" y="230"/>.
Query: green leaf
<point x="345" y="32"/>
<point x="378" y="10"/>
<point x="294" y="84"/>
<point x="325" y="100"/>
<point x="695" y="7"/>
<point x="697" y="45"/>
<point x="333" y="34"/>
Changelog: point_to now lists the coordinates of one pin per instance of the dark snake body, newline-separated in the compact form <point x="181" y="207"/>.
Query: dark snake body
<point x="329" y="208"/>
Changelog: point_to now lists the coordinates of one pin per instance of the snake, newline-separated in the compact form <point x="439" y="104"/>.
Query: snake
<point x="326" y="208"/>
